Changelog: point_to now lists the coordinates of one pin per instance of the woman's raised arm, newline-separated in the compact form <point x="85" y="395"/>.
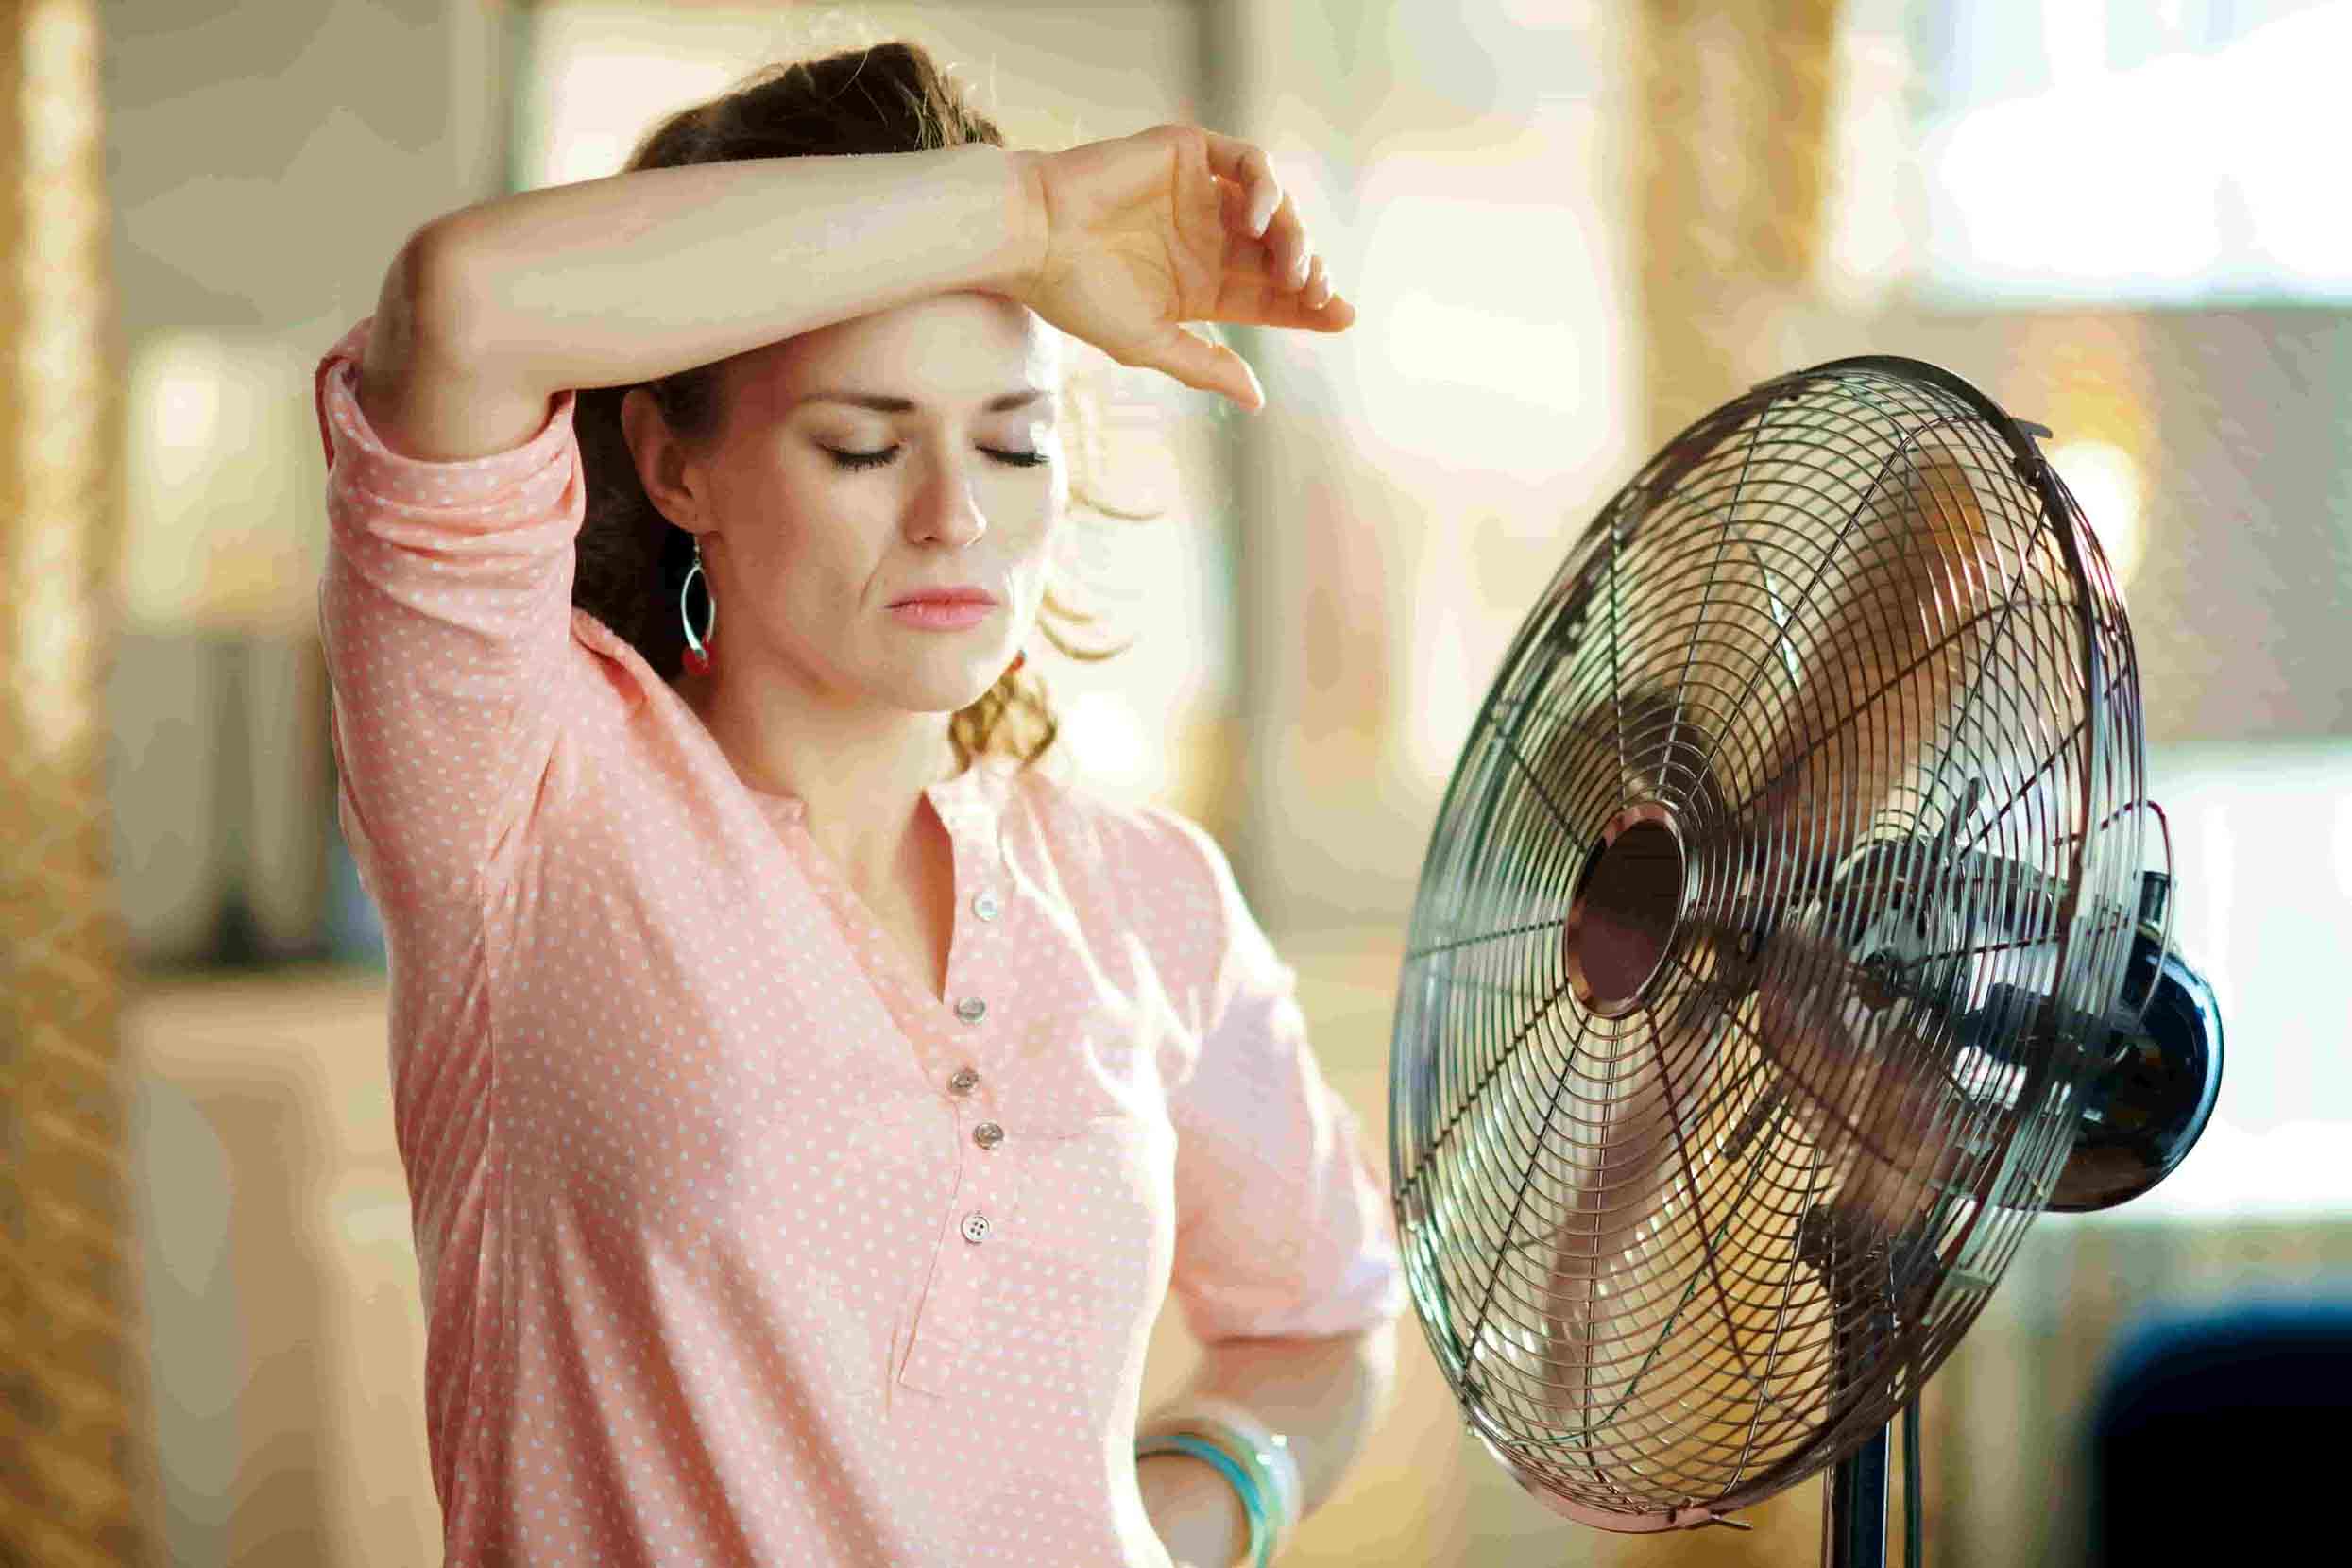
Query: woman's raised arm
<point x="611" y="281"/>
<point x="608" y="282"/>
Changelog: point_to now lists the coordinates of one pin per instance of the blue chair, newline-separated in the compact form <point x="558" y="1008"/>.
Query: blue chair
<point x="2232" y="1417"/>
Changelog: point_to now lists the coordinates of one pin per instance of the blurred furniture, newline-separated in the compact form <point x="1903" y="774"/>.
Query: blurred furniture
<point x="281" y="1303"/>
<point x="219" y="768"/>
<point x="2219" y="1405"/>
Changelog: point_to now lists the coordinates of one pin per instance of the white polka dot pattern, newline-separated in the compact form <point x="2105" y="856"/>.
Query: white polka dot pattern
<point x="696" y="1157"/>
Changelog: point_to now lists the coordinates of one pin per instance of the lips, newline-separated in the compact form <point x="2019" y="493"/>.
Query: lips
<point x="947" y="596"/>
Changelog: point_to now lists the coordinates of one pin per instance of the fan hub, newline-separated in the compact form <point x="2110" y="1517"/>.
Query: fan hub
<point x="1628" y="906"/>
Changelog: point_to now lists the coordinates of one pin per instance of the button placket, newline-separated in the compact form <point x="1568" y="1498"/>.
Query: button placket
<point x="982" y="1196"/>
<point x="943" y="1323"/>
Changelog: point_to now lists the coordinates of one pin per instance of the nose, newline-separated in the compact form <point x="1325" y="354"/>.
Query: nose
<point x="948" y="511"/>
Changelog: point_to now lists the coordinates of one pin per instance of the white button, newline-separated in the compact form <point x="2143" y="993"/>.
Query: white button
<point x="985" y="906"/>
<point x="971" y="1010"/>
<point x="976" y="1228"/>
<point x="964" y="1083"/>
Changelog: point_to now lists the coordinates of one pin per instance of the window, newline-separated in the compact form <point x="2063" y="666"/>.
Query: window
<point x="2132" y="151"/>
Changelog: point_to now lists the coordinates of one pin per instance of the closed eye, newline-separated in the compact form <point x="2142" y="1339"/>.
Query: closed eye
<point x="876" y="459"/>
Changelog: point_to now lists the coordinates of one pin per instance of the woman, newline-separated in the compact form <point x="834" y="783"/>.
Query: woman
<point x="806" y="1103"/>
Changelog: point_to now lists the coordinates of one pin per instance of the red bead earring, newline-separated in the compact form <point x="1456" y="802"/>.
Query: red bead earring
<point x="1018" y="659"/>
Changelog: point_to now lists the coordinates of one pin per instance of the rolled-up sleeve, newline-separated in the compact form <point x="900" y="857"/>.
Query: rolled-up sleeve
<point x="445" y="611"/>
<point x="1283" y="1226"/>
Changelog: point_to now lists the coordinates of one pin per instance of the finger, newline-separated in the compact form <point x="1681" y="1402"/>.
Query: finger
<point x="1259" y="260"/>
<point x="1249" y="295"/>
<point x="1271" y="216"/>
<point x="1335" y="314"/>
<point x="1251" y="292"/>
<point x="1338" y="317"/>
<point x="1198" y="363"/>
<point x="1248" y="166"/>
<point x="1286" y="245"/>
<point x="1232" y="205"/>
<point x="1313" y="309"/>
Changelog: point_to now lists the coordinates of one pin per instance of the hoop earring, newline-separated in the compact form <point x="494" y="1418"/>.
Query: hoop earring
<point x="698" y="655"/>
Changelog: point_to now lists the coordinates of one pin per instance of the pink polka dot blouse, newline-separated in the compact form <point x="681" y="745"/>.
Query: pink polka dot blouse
<point x="736" y="1245"/>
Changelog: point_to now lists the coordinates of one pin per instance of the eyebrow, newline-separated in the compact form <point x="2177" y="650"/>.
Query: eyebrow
<point x="1001" y="403"/>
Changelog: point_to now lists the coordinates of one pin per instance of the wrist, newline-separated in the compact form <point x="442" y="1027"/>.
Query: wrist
<point x="1025" y="250"/>
<point x="1195" y="1509"/>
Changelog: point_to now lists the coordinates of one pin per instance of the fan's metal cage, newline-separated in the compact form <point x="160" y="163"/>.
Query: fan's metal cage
<point x="1764" y="943"/>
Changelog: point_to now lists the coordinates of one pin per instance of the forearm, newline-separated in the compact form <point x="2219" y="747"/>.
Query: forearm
<point x="607" y="283"/>
<point x="1324" y="1395"/>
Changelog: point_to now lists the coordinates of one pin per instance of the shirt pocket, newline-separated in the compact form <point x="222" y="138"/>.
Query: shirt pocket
<point x="1088" y="1071"/>
<point x="1093" y="1223"/>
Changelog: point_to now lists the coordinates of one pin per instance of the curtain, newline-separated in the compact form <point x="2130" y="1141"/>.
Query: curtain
<point x="1729" y="158"/>
<point x="74" y="1449"/>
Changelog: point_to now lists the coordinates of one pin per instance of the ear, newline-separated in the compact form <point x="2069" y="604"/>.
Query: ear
<point x="660" y="457"/>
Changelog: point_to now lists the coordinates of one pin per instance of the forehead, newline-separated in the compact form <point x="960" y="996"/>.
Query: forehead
<point x="948" y="352"/>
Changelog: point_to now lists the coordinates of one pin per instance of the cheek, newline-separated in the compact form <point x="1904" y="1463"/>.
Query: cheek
<point x="807" y="529"/>
<point x="773" y="572"/>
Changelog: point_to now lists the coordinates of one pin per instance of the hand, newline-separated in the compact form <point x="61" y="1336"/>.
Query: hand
<point x="1169" y="225"/>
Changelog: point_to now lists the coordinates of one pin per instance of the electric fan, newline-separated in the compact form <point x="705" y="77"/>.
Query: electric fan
<point x="1783" y="946"/>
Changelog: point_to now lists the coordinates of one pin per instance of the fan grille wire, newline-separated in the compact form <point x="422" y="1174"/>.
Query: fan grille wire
<point x="1849" y="637"/>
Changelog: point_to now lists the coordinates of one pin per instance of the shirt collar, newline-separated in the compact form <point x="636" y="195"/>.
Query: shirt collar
<point x="970" y="800"/>
<point x="968" y="804"/>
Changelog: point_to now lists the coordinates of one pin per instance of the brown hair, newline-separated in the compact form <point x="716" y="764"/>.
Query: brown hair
<point x="630" y="560"/>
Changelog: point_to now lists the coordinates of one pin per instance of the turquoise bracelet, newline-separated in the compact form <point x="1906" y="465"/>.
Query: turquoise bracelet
<point x="1261" y="1537"/>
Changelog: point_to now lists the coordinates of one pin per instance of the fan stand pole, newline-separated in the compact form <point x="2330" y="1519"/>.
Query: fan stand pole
<point x="1853" y="1527"/>
<point x="1853" y="1522"/>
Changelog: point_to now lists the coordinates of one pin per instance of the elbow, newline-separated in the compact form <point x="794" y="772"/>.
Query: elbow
<point x="427" y="291"/>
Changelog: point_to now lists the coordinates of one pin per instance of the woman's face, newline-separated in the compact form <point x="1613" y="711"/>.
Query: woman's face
<point x="947" y="474"/>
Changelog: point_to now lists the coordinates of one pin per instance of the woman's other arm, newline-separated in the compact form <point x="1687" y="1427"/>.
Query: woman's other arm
<point x="1325" y="1394"/>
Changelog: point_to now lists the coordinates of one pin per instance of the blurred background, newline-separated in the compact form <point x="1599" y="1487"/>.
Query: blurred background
<point x="1570" y="227"/>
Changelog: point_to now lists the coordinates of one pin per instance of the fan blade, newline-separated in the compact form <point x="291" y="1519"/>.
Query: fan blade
<point x="1678" y="1248"/>
<point x="1883" y="662"/>
<point x="1659" y="1076"/>
<point x="1615" y="1171"/>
